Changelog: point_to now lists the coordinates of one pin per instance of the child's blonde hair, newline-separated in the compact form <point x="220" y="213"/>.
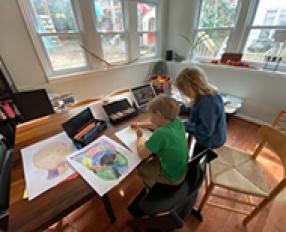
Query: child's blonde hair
<point x="194" y="79"/>
<point x="167" y="106"/>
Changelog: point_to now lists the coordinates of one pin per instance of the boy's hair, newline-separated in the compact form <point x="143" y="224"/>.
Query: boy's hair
<point x="167" y="106"/>
<point x="195" y="78"/>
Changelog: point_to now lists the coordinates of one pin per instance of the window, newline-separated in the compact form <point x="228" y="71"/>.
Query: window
<point x="147" y="29"/>
<point x="69" y="34"/>
<point x="59" y="34"/>
<point x="268" y="31"/>
<point x="216" y="22"/>
<point x="110" y="26"/>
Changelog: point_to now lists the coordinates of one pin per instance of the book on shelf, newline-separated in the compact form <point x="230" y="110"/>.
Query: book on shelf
<point x="8" y="110"/>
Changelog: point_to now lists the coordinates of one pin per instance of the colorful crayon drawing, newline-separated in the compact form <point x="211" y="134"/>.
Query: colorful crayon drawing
<point x="104" y="160"/>
<point x="45" y="164"/>
<point x="51" y="158"/>
<point x="103" y="163"/>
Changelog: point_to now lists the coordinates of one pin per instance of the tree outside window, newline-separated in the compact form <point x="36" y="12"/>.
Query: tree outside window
<point x="217" y="19"/>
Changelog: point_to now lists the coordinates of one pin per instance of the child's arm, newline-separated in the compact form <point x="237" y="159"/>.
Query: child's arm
<point x="146" y="125"/>
<point x="142" y="150"/>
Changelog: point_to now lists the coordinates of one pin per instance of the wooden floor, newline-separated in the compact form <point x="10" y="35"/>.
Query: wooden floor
<point x="241" y="134"/>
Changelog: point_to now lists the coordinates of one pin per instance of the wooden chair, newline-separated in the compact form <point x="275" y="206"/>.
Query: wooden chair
<point x="279" y="123"/>
<point x="239" y="171"/>
<point x="84" y="102"/>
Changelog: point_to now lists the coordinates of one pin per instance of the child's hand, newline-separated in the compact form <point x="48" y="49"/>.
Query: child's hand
<point x="139" y="133"/>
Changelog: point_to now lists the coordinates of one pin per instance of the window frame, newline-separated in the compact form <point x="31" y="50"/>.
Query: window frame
<point x="28" y="14"/>
<point x="251" y="26"/>
<point x="125" y="32"/>
<point x="230" y="28"/>
<point x="156" y="32"/>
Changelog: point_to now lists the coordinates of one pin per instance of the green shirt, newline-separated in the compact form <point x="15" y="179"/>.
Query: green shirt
<point x="170" y="145"/>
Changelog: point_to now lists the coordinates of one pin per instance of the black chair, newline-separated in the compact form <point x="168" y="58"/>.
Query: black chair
<point x="167" y="207"/>
<point x="33" y="104"/>
<point x="5" y="176"/>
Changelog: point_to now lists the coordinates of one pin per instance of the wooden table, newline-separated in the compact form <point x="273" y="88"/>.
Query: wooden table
<point x="59" y="201"/>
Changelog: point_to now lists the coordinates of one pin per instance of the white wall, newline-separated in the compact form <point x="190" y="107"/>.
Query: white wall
<point x="100" y="83"/>
<point x="16" y="47"/>
<point x="18" y="52"/>
<point x="180" y="21"/>
<point x="263" y="93"/>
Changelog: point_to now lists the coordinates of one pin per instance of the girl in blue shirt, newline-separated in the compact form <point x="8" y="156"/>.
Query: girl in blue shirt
<point x="207" y="122"/>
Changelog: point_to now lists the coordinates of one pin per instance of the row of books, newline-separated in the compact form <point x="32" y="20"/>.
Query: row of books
<point x="8" y="110"/>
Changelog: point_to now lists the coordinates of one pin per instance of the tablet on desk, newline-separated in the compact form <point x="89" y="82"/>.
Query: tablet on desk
<point x="142" y="95"/>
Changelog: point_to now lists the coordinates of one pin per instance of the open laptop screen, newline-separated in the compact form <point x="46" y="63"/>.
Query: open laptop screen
<point x="143" y="94"/>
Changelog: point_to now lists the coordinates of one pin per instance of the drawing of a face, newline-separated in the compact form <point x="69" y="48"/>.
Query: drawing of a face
<point x="52" y="159"/>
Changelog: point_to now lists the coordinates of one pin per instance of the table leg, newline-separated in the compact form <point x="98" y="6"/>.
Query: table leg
<point x="108" y="208"/>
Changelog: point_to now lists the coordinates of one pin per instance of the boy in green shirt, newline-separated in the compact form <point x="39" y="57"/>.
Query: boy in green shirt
<point x="167" y="143"/>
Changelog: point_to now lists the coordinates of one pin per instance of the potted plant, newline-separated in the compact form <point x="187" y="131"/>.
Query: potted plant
<point x="192" y="44"/>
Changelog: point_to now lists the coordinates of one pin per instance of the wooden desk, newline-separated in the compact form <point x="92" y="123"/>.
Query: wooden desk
<point x="59" y="201"/>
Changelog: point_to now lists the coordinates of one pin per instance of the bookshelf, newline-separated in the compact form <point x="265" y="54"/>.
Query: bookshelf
<point x="9" y="114"/>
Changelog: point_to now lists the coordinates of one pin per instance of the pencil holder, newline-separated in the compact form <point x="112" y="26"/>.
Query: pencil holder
<point x="118" y="111"/>
<point x="83" y="128"/>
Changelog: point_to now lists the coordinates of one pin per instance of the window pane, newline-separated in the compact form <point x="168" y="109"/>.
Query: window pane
<point x="146" y="17"/>
<point x="64" y="52"/>
<point x="211" y="42"/>
<point x="114" y="48"/>
<point x="282" y="18"/>
<point x="218" y="13"/>
<point x="270" y="12"/>
<point x="54" y="16"/>
<point x="148" y="44"/>
<point x="109" y="15"/>
<point x="262" y="42"/>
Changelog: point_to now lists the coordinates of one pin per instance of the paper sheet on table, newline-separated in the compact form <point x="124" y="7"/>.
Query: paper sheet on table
<point x="128" y="137"/>
<point x="45" y="165"/>
<point x="103" y="163"/>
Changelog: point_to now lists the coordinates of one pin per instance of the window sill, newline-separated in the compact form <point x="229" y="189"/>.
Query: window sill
<point x="270" y="73"/>
<point x="258" y="66"/>
<point x="82" y="74"/>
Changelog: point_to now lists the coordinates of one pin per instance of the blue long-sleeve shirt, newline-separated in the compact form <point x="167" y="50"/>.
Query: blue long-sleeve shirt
<point x="207" y="121"/>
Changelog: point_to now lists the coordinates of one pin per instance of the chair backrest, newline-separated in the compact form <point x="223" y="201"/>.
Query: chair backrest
<point x="196" y="177"/>
<point x="277" y="141"/>
<point x="5" y="176"/>
<point x="33" y="104"/>
<point x="280" y="122"/>
<point x="162" y="198"/>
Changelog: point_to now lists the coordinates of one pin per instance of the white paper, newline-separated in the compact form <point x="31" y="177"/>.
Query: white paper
<point x="103" y="163"/>
<point x="45" y="165"/>
<point x="128" y="137"/>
